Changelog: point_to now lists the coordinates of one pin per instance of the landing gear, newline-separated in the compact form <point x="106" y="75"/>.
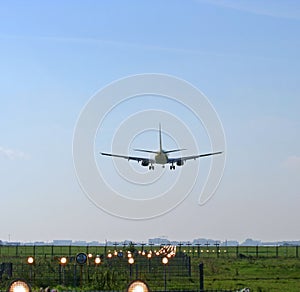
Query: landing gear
<point x="151" y="167"/>
<point x="172" y="167"/>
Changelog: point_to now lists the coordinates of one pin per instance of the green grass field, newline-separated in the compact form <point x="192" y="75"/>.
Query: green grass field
<point x="230" y="268"/>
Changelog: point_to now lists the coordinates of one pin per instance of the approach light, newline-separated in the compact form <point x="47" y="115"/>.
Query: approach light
<point x="109" y="255"/>
<point x="90" y="255"/>
<point x="138" y="286"/>
<point x="30" y="260"/>
<point x="149" y="255"/>
<point x="63" y="261"/>
<point x="130" y="261"/>
<point x="19" y="286"/>
<point x="97" y="260"/>
<point x="165" y="260"/>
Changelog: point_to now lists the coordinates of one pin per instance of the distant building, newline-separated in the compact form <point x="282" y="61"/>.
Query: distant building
<point x="204" y="241"/>
<point x="230" y="243"/>
<point x="94" y="243"/>
<point x="62" y="242"/>
<point x="158" y="241"/>
<point x="39" y="243"/>
<point x="289" y="243"/>
<point x="12" y="243"/>
<point x="80" y="243"/>
<point x="251" y="242"/>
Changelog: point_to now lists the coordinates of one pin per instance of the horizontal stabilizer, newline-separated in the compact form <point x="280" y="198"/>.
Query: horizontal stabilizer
<point x="147" y="151"/>
<point x="175" y="150"/>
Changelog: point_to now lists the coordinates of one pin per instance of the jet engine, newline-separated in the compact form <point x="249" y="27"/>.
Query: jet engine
<point x="180" y="162"/>
<point x="145" y="163"/>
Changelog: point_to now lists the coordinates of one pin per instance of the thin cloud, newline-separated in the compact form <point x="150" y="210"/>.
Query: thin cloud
<point x="12" y="154"/>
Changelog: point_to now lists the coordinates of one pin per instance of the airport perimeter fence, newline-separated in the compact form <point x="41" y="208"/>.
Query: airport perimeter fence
<point x="104" y="270"/>
<point x="114" y="272"/>
<point x="287" y="251"/>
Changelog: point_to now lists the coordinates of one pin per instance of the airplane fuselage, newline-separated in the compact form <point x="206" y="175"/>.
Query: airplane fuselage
<point x="161" y="158"/>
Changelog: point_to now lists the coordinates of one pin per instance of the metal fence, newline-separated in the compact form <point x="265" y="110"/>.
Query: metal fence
<point x="43" y="266"/>
<point x="191" y="250"/>
<point x="114" y="272"/>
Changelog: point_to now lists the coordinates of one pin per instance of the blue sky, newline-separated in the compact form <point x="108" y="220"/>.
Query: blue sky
<point x="243" y="55"/>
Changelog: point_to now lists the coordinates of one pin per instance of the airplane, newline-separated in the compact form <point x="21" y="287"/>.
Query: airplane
<point x="161" y="156"/>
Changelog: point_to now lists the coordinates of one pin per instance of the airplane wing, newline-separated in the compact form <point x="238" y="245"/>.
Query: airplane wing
<point x="136" y="158"/>
<point x="185" y="158"/>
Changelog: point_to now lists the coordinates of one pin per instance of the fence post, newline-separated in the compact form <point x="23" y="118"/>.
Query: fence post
<point x="136" y="271"/>
<point x="189" y="266"/>
<point x="201" y="277"/>
<point x="198" y="249"/>
<point x="75" y="276"/>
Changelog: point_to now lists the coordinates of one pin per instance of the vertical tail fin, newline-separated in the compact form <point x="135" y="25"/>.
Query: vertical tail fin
<point x="160" y="143"/>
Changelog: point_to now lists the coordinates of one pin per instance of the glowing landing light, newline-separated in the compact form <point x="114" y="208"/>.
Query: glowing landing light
<point x="30" y="260"/>
<point x="63" y="261"/>
<point x="19" y="286"/>
<point x="138" y="286"/>
<point x="131" y="261"/>
<point x="97" y="260"/>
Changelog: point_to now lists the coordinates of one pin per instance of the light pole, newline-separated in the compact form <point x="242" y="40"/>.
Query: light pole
<point x="217" y="244"/>
<point x="30" y="262"/>
<point x="198" y="248"/>
<point x="130" y="262"/>
<point x="62" y="262"/>
<point x="165" y="261"/>
<point x="149" y="255"/>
